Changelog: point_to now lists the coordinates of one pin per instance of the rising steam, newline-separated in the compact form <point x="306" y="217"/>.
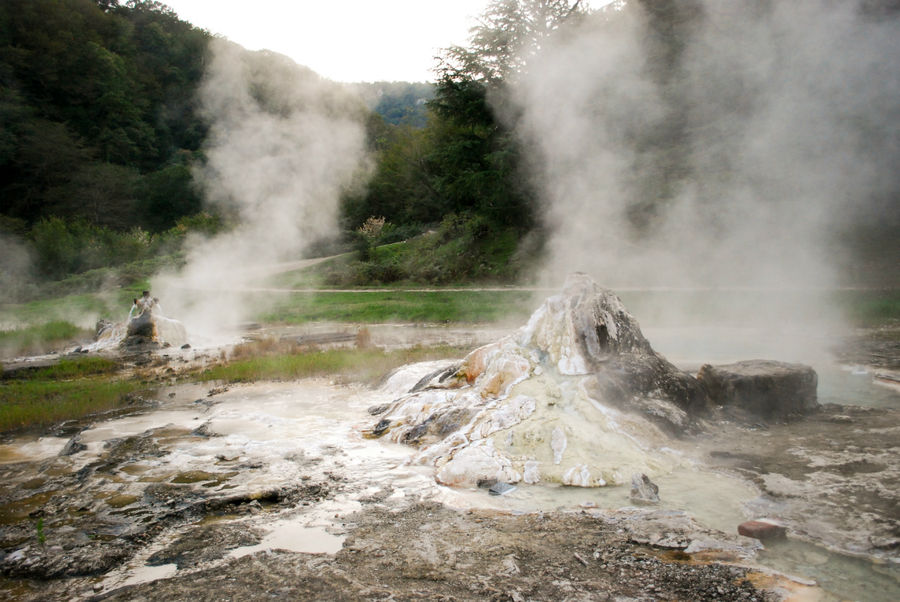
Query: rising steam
<point x="283" y="144"/>
<point x="731" y="154"/>
<point x="15" y="268"/>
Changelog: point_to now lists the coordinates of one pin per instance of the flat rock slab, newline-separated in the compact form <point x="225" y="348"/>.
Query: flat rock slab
<point x="763" y="388"/>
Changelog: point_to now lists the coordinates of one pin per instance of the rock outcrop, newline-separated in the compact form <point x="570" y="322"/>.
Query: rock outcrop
<point x="643" y="490"/>
<point x="763" y="389"/>
<point x="151" y="330"/>
<point x="577" y="396"/>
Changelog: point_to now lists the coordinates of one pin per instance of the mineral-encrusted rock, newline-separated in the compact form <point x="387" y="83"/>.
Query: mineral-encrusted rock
<point x="151" y="330"/>
<point x="587" y="331"/>
<point x="762" y="388"/>
<point x="73" y="446"/>
<point x="143" y="326"/>
<point x="141" y="332"/>
<point x="643" y="490"/>
<point x="103" y="326"/>
<point x="569" y="398"/>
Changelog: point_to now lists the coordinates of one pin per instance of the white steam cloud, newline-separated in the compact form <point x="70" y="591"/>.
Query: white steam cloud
<point x="282" y="146"/>
<point x="732" y="157"/>
<point x="16" y="267"/>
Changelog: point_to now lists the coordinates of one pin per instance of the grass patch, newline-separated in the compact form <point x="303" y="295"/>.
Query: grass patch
<point x="357" y="365"/>
<point x="870" y="308"/>
<point x="40" y="337"/>
<point x="42" y="402"/>
<point x="85" y="306"/>
<point x="78" y="367"/>
<point x="51" y="323"/>
<point x="399" y="306"/>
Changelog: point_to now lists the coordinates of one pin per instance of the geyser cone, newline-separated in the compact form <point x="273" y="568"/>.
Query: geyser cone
<point x="577" y="396"/>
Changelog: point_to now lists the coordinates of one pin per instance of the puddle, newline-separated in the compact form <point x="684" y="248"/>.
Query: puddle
<point x="146" y="573"/>
<point x="23" y="508"/>
<point x="294" y="536"/>
<point x="844" y="577"/>
<point x="31" y="450"/>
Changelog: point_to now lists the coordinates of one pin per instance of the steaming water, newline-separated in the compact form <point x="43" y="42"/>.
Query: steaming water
<point x="690" y="347"/>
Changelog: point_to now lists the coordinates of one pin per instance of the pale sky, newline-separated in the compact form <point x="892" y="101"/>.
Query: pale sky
<point x="343" y="40"/>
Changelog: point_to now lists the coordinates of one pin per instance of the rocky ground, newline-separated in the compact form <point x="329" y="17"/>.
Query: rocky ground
<point x="877" y="347"/>
<point x="832" y="478"/>
<point x="64" y="532"/>
<point x="428" y="551"/>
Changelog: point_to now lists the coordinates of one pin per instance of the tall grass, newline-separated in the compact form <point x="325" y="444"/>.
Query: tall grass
<point x="78" y="367"/>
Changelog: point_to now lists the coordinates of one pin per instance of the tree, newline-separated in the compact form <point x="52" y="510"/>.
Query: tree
<point x="88" y="87"/>
<point x="104" y="194"/>
<point x="465" y="166"/>
<point x="477" y="158"/>
<point x="167" y="195"/>
<point x="508" y="33"/>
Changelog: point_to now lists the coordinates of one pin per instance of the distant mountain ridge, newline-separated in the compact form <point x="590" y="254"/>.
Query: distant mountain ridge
<point x="399" y="103"/>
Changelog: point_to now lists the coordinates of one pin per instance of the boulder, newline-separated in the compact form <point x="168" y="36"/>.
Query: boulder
<point x="765" y="389"/>
<point x="762" y="530"/>
<point x="141" y="332"/>
<point x="643" y="490"/>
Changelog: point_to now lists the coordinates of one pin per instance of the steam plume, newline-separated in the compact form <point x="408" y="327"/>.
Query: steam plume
<point x="282" y="145"/>
<point x="15" y="268"/>
<point x="730" y="154"/>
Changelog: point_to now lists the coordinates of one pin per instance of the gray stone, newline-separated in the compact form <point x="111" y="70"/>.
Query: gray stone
<point x="501" y="488"/>
<point x="643" y="490"/>
<point x="143" y="326"/>
<point x="764" y="389"/>
<point x="73" y="446"/>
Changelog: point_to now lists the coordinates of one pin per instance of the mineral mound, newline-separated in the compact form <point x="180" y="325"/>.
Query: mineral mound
<point x="577" y="396"/>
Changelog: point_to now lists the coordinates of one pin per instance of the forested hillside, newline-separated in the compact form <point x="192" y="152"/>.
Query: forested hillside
<point x="100" y="132"/>
<point x="399" y="103"/>
<point x="98" y="114"/>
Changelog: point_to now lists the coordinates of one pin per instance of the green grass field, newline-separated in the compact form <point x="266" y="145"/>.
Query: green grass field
<point x="464" y="306"/>
<point x="356" y="365"/>
<point x="72" y="389"/>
